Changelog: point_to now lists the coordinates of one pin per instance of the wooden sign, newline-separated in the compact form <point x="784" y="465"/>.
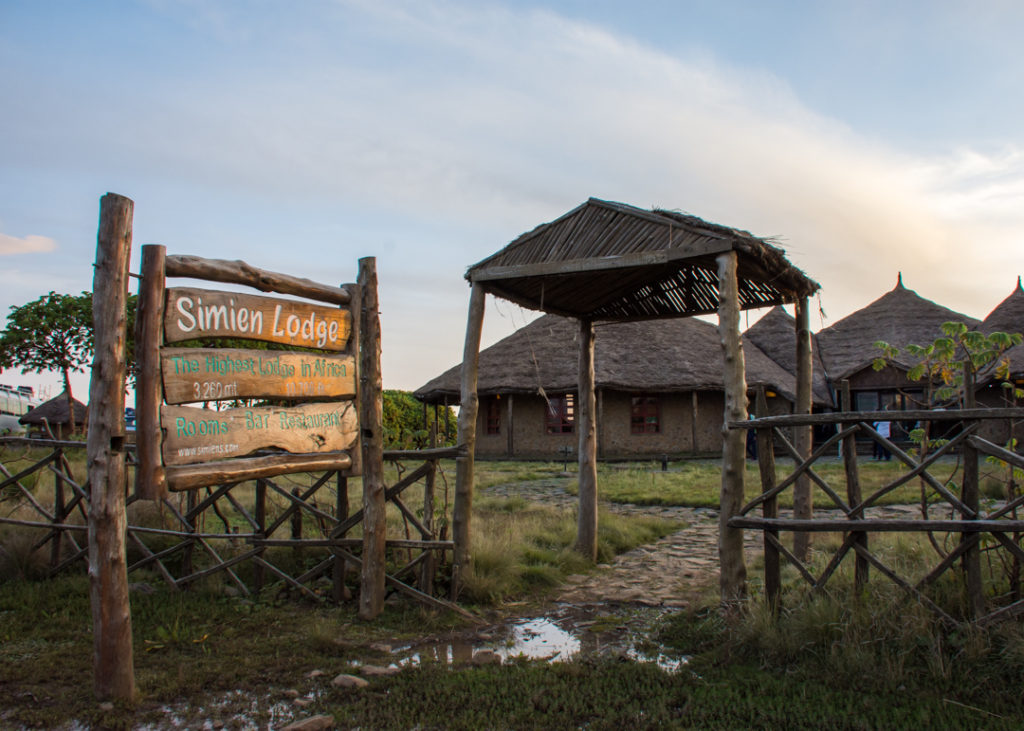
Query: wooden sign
<point x="216" y="374"/>
<point x="202" y="435"/>
<point x="196" y="313"/>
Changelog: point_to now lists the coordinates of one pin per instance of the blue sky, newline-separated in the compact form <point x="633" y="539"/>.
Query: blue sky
<point x="869" y="138"/>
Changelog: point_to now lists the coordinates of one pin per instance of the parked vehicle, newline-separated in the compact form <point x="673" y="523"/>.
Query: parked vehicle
<point x="15" y="402"/>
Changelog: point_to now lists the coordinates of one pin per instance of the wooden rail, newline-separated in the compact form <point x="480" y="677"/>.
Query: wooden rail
<point x="229" y="528"/>
<point x="971" y="520"/>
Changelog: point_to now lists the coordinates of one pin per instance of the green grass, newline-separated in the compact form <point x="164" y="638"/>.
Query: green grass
<point x="697" y="483"/>
<point x="522" y="547"/>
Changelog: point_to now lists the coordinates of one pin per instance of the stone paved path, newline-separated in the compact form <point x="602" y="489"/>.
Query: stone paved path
<point x="668" y="572"/>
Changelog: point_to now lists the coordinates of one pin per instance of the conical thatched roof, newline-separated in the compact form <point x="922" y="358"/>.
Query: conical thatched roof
<point x="680" y="354"/>
<point x="900" y="317"/>
<point x="1008" y="317"/>
<point x="611" y="261"/>
<point x="55" y="411"/>
<point x="775" y="335"/>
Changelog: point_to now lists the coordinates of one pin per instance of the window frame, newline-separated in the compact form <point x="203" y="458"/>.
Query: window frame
<point x="560" y="414"/>
<point x="640" y="416"/>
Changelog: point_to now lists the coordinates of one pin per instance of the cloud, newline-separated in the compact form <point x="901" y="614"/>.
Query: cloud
<point x="480" y="121"/>
<point x="10" y="245"/>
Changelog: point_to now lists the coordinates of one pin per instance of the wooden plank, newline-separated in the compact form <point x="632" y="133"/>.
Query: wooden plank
<point x="188" y="477"/>
<point x="113" y="663"/>
<point x="201" y="313"/>
<point x="203" y="435"/>
<point x="371" y="428"/>
<point x="150" y="480"/>
<point x="871" y="416"/>
<point x="582" y="266"/>
<point x="216" y="374"/>
<point x="879" y="525"/>
<point x="238" y="272"/>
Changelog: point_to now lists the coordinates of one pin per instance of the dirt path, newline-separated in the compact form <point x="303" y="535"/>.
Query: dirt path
<point x="668" y="572"/>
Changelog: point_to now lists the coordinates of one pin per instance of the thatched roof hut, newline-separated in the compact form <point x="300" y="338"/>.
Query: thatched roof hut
<point x="900" y="317"/>
<point x="666" y="356"/>
<point x="55" y="413"/>
<point x="775" y="335"/>
<point x="1008" y="317"/>
<point x="611" y="261"/>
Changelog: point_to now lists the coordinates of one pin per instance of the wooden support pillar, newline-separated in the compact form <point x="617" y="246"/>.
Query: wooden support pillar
<point x="803" y="504"/>
<point x="853" y="492"/>
<point x="586" y="530"/>
<point x="510" y="423"/>
<point x="770" y="507"/>
<point x="469" y="405"/>
<point x="372" y="578"/>
<point x="150" y="478"/>
<point x="733" y="577"/>
<point x="694" y="416"/>
<point x="113" y="661"/>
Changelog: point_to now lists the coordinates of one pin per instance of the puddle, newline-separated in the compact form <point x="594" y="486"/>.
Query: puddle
<point x="565" y="633"/>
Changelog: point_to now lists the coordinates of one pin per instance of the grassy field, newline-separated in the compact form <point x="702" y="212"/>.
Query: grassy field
<point x="840" y="660"/>
<point x="695" y="483"/>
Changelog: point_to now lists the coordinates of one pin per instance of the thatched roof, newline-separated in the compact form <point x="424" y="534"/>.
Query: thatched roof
<point x="775" y="335"/>
<point x="1008" y="317"/>
<point x="55" y="411"/>
<point x="682" y="354"/>
<point x="900" y="317"/>
<point x="611" y="261"/>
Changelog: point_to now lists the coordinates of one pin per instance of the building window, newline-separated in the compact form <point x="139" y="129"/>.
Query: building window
<point x="560" y="417"/>
<point x="494" y="416"/>
<point x="645" y="415"/>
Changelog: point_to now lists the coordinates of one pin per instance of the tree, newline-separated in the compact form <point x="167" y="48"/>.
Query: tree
<point x="950" y="368"/>
<point x="52" y="333"/>
<point x="403" y="422"/>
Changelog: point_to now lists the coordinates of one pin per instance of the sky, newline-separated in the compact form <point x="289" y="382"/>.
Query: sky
<point x="868" y="138"/>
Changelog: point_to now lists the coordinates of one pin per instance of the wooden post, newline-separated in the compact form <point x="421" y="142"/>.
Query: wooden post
<point x="58" y="510"/>
<point x="693" y="420"/>
<point x="340" y="513"/>
<point x="297" y="516"/>
<point x="428" y="567"/>
<point x="113" y="662"/>
<point x="461" y="511"/>
<point x="260" y="515"/>
<point x="970" y="497"/>
<point x="150" y="478"/>
<point x="733" y="577"/>
<point x="586" y="528"/>
<point x="803" y="501"/>
<point x="371" y="394"/>
<point x="509" y="423"/>
<point x="853" y="494"/>
<point x="770" y="507"/>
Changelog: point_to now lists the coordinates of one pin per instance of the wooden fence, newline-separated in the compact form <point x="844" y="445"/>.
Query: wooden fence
<point x="970" y="521"/>
<point x="223" y="528"/>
